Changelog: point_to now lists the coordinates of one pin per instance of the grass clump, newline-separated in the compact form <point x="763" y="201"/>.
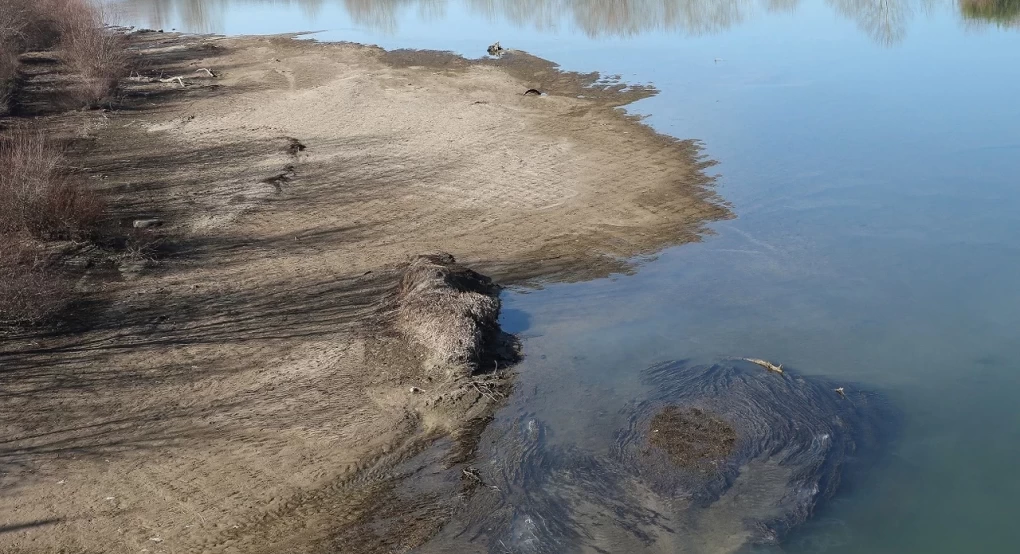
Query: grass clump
<point x="450" y="311"/>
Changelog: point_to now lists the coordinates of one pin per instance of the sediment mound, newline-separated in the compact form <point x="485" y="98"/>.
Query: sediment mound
<point x="451" y="312"/>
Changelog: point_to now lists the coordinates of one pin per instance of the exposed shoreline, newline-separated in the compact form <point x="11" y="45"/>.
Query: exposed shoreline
<point x="246" y="389"/>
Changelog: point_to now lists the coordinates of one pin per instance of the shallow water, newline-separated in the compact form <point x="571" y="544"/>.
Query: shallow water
<point x="870" y="149"/>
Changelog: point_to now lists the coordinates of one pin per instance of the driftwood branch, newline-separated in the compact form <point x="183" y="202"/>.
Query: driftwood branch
<point x="172" y="79"/>
<point x="486" y="390"/>
<point x="766" y="364"/>
<point x="143" y="79"/>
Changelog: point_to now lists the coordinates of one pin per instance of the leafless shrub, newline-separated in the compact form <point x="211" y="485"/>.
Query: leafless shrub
<point x="29" y="24"/>
<point x="449" y="310"/>
<point x="97" y="56"/>
<point x="37" y="195"/>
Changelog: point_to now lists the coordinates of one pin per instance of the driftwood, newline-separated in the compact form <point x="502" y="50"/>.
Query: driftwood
<point x="172" y="79"/>
<point x="178" y="79"/>
<point x="766" y="364"/>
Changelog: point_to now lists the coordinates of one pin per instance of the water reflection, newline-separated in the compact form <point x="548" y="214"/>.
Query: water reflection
<point x="885" y="21"/>
<point x="1004" y="13"/>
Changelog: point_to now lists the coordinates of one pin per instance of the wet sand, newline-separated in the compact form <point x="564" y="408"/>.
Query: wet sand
<point x="242" y="387"/>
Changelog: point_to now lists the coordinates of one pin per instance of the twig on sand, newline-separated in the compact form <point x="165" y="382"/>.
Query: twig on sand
<point x="207" y="70"/>
<point x="486" y="390"/>
<point x="766" y="364"/>
<point x="143" y="79"/>
<point x="472" y="473"/>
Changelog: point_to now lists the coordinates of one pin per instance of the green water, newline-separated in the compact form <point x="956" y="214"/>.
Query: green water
<point x="871" y="152"/>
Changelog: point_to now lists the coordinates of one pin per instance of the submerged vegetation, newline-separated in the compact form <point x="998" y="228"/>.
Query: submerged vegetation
<point x="41" y="199"/>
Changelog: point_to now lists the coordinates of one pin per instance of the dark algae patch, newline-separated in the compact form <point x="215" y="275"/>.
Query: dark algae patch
<point x="778" y="444"/>
<point x="692" y="438"/>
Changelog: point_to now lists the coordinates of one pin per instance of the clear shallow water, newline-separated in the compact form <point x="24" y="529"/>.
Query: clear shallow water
<point x="871" y="150"/>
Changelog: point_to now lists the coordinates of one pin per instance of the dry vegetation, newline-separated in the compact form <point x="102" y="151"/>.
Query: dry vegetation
<point x="97" y="58"/>
<point x="450" y="311"/>
<point x="94" y="57"/>
<point x="30" y="291"/>
<point x="40" y="199"/>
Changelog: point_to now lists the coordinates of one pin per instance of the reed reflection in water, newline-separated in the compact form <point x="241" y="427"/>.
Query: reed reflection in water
<point x="884" y="21"/>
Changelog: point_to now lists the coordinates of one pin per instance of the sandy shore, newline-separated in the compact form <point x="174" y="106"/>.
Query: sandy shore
<point x="240" y="388"/>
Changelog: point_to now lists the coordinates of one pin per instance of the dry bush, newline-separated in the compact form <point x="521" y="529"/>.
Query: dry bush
<point x="40" y="22"/>
<point x="39" y="197"/>
<point x="97" y="56"/>
<point x="29" y="291"/>
<point x="449" y="310"/>
<point x="12" y="26"/>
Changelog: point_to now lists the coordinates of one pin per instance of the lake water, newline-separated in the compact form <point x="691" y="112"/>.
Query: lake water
<point x="871" y="151"/>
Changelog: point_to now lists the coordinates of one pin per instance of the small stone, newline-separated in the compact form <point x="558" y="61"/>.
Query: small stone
<point x="147" y="223"/>
<point x="415" y="390"/>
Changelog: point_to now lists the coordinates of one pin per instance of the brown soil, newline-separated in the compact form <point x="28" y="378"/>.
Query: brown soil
<point x="692" y="438"/>
<point x="242" y="387"/>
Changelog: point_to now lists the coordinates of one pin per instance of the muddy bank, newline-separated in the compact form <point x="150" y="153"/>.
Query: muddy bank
<point x="245" y="380"/>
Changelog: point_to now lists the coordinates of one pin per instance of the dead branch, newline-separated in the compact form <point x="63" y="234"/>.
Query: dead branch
<point x="172" y="79"/>
<point x="766" y="364"/>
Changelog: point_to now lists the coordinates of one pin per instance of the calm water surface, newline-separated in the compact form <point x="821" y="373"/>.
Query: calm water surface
<point x="871" y="150"/>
